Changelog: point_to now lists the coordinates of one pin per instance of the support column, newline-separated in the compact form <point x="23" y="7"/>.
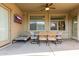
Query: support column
<point x="25" y="22"/>
<point x="47" y="22"/>
<point x="78" y="26"/>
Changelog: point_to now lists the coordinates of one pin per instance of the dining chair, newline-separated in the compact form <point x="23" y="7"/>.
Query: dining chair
<point x="43" y="36"/>
<point x="52" y="37"/>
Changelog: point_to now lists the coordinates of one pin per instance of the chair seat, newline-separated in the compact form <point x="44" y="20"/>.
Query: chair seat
<point x="42" y="38"/>
<point x="22" y="38"/>
<point x="33" y="37"/>
<point x="58" y="37"/>
<point x="52" y="38"/>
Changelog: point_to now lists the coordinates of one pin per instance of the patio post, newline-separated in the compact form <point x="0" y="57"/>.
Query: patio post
<point x="78" y="26"/>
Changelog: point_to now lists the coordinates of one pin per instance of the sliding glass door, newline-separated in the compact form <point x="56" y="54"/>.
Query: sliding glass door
<point x="4" y="22"/>
<point x="74" y="27"/>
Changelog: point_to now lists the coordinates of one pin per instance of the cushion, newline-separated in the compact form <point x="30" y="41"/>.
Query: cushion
<point x="21" y="38"/>
<point x="24" y="34"/>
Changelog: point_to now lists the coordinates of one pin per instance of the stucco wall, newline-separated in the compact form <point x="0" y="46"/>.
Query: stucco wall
<point x="15" y="28"/>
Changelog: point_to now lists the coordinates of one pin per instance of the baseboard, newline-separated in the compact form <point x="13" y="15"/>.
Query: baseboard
<point x="5" y="45"/>
<point x="66" y="38"/>
<point x="74" y="38"/>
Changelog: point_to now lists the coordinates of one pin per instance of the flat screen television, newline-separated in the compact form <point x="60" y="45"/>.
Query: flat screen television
<point x="18" y="19"/>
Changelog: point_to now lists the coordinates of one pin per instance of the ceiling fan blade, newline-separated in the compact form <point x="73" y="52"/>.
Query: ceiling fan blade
<point x="47" y="5"/>
<point x="50" y="4"/>
<point x="42" y="9"/>
<point x="52" y="8"/>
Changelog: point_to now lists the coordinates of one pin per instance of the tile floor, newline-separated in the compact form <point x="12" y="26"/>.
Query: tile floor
<point x="67" y="47"/>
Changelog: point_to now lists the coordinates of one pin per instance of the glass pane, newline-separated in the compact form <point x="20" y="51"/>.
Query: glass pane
<point x="37" y="23"/>
<point x="74" y="27"/>
<point x="53" y="25"/>
<point x="3" y="24"/>
<point x="36" y="17"/>
<point x="61" y="25"/>
<point x="41" y="26"/>
<point x="58" y="18"/>
<point x="33" y="26"/>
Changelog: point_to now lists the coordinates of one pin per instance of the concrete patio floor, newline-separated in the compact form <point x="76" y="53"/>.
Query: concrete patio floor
<point x="66" y="48"/>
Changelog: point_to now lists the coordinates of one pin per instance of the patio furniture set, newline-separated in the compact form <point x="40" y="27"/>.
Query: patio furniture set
<point x="46" y="36"/>
<point x="37" y="37"/>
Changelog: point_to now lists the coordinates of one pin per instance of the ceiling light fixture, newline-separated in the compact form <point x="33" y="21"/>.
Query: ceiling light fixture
<point x="47" y="8"/>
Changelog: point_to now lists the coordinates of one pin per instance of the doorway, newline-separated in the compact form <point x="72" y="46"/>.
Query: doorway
<point x="74" y="27"/>
<point x="4" y="25"/>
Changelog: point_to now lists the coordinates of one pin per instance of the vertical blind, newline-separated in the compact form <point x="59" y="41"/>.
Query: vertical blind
<point x="3" y="24"/>
<point x="74" y="26"/>
<point x="37" y="23"/>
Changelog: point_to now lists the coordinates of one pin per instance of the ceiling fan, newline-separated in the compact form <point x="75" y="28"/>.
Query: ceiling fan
<point x="48" y="6"/>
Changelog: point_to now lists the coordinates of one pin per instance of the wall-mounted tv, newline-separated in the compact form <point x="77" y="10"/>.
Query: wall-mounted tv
<point x="18" y="19"/>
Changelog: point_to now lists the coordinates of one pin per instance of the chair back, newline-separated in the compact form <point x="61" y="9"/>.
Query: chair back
<point x="42" y="35"/>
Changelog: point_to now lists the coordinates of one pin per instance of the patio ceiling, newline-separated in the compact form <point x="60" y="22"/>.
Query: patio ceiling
<point x="35" y="7"/>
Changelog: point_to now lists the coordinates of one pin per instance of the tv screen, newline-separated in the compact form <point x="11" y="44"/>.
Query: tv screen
<point x="17" y="19"/>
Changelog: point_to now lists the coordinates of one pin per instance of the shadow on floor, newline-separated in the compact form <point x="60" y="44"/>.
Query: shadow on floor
<point x="39" y="50"/>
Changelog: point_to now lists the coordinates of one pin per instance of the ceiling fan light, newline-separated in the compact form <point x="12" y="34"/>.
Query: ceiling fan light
<point x="47" y="8"/>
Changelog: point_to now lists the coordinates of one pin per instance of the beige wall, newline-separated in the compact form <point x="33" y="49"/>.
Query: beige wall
<point x="15" y="28"/>
<point x="25" y="23"/>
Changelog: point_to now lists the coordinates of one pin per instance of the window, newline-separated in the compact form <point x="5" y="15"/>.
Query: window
<point x="33" y="26"/>
<point x="57" y="23"/>
<point x="61" y="25"/>
<point x="53" y="25"/>
<point x="37" y="23"/>
<point x="74" y="26"/>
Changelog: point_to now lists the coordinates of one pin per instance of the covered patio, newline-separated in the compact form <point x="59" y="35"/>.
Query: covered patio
<point x="44" y="18"/>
